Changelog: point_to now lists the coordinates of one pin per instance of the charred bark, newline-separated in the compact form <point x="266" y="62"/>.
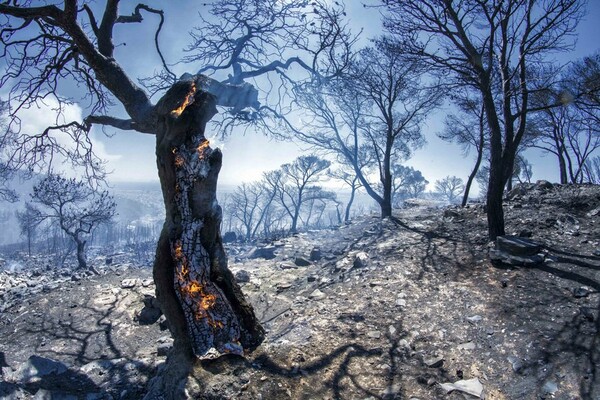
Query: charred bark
<point x="82" y="264"/>
<point x="205" y="309"/>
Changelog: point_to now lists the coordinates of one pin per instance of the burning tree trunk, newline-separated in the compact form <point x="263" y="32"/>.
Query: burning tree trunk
<point x="205" y="308"/>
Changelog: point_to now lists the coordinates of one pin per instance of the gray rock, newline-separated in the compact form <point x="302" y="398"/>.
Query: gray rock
<point x="302" y="262"/>
<point x="242" y="276"/>
<point x="361" y="260"/>
<point x="466" y="346"/>
<point x="550" y="387"/>
<point x="581" y="292"/>
<point x="317" y="295"/>
<point x="474" y="318"/>
<point x="401" y="302"/>
<point x="469" y="386"/>
<point x="315" y="254"/>
<point x="128" y="283"/>
<point x="149" y="314"/>
<point x="543" y="185"/>
<point x="374" y="334"/>
<point x="517" y="246"/>
<point x="518" y="366"/>
<point x="268" y="253"/>
<point x="229" y="237"/>
<point x="36" y="368"/>
<point x="163" y="349"/>
<point x="434" y="362"/>
<point x="287" y="265"/>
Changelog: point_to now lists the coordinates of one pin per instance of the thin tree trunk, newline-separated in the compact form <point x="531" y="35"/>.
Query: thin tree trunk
<point x="82" y="264"/>
<point x="350" y="201"/>
<point x="205" y="309"/>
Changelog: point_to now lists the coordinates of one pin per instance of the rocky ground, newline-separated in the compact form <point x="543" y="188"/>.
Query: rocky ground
<point x="407" y="308"/>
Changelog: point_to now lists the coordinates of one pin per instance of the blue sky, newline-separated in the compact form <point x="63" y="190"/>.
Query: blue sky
<point x="131" y="155"/>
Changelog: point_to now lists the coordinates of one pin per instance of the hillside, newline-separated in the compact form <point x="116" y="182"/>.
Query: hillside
<point x="392" y="309"/>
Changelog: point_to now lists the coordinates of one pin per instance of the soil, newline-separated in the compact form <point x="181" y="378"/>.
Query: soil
<point x="384" y="309"/>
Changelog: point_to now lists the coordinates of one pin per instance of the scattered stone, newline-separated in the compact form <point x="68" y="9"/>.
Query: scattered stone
<point x="287" y="265"/>
<point x="525" y="233"/>
<point x="315" y="254"/>
<point x="242" y="276"/>
<point x="374" y="334"/>
<point x="448" y="213"/>
<point x="311" y="278"/>
<point x="147" y="282"/>
<point x="283" y="286"/>
<point x="302" y="262"/>
<point x="543" y="185"/>
<point x="550" y="387"/>
<point x="360" y="260"/>
<point x="163" y="349"/>
<point x="517" y="246"/>
<point x="268" y="253"/>
<point x="466" y="346"/>
<point x="474" y="318"/>
<point x="392" y="330"/>
<point x="581" y="292"/>
<point x="128" y="283"/>
<point x="317" y="295"/>
<point x="469" y="386"/>
<point x="401" y="302"/>
<point x="514" y="250"/>
<point x="518" y="366"/>
<point x="150" y="313"/>
<point x="434" y="362"/>
<point x="229" y="237"/>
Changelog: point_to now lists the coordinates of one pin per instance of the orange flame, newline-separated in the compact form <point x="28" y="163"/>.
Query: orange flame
<point x="204" y="145"/>
<point x="189" y="99"/>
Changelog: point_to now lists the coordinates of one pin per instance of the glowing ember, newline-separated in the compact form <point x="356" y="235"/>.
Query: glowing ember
<point x="179" y="161"/>
<point x="203" y="146"/>
<point x="189" y="99"/>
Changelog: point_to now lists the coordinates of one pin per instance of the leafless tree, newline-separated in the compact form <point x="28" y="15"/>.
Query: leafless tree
<point x="493" y="47"/>
<point x="468" y="129"/>
<point x="44" y="47"/>
<point x="74" y="206"/>
<point x="450" y="187"/>
<point x="249" y="205"/>
<point x="570" y="130"/>
<point x="349" y="178"/>
<point x="29" y="220"/>
<point x="296" y="185"/>
<point x="370" y="117"/>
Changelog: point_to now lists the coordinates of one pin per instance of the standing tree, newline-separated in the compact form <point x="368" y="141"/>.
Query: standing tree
<point x="408" y="183"/>
<point x="75" y="207"/>
<point x="493" y="47"/>
<point x="371" y="117"/>
<point x="469" y="130"/>
<point x="350" y="179"/>
<point x="450" y="187"/>
<point x="296" y="188"/>
<point x="29" y="220"/>
<point x="49" y="46"/>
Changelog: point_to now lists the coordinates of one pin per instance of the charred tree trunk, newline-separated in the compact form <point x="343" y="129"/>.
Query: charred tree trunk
<point x="205" y="309"/>
<point x="81" y="262"/>
<point x="350" y="201"/>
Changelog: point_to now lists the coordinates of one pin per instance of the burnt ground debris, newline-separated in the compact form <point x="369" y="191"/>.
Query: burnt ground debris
<point x="392" y="309"/>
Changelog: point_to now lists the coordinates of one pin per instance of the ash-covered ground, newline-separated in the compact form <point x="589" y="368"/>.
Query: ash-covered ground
<point x="407" y="308"/>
